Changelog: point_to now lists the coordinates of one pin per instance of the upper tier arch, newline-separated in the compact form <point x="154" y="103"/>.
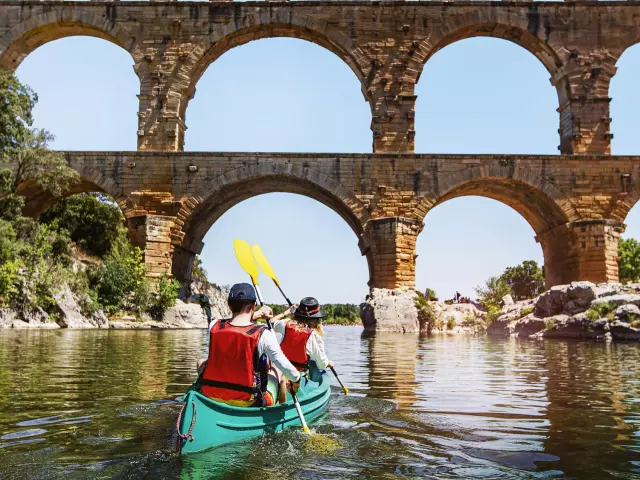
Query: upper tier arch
<point x="255" y="27"/>
<point x="37" y="30"/>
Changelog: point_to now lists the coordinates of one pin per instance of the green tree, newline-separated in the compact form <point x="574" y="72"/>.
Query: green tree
<point x="629" y="260"/>
<point x="525" y="280"/>
<point x="430" y="295"/>
<point x="16" y="106"/>
<point x="198" y="273"/>
<point x="93" y="221"/>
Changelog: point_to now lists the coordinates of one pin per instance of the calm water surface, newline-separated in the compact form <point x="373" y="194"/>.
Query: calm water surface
<point x="102" y="404"/>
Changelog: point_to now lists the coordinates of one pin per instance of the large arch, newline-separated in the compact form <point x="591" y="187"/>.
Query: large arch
<point x="60" y="23"/>
<point x="254" y="27"/>
<point x="625" y="102"/>
<point x="225" y="191"/>
<point x="543" y="206"/>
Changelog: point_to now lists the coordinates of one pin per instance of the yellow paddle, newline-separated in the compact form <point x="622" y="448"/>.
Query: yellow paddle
<point x="248" y="264"/>
<point x="265" y="266"/>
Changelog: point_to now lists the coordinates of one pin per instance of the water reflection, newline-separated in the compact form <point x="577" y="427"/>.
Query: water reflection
<point x="80" y="404"/>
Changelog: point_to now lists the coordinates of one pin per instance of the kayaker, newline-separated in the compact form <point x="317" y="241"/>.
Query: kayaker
<point x="237" y="371"/>
<point x="301" y="338"/>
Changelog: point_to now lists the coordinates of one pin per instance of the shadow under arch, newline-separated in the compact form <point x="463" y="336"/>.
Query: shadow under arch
<point x="254" y="27"/>
<point x="228" y="190"/>
<point x="538" y="201"/>
<point x="59" y="23"/>
<point x="38" y="200"/>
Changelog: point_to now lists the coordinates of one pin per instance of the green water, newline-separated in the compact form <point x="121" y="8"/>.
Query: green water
<point x="102" y="404"/>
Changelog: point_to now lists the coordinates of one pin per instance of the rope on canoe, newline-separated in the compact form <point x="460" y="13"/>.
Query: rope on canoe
<point x="187" y="436"/>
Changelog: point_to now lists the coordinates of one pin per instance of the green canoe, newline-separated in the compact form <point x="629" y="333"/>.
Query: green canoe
<point x="211" y="423"/>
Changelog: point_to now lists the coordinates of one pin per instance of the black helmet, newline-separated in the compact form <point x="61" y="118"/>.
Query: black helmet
<point x="309" y="308"/>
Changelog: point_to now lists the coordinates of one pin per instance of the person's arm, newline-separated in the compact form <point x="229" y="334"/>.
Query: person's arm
<point x="269" y="345"/>
<point x="279" y="327"/>
<point x="315" y="350"/>
<point x="286" y="313"/>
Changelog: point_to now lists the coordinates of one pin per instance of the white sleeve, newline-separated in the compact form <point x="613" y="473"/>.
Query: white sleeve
<point x="213" y="322"/>
<point x="278" y="330"/>
<point x="315" y="350"/>
<point x="269" y="345"/>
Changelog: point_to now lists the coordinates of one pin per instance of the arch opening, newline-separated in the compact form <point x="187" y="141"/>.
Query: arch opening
<point x="484" y="96"/>
<point x="492" y="212"/>
<point x="625" y="103"/>
<point x="89" y="104"/>
<point x="312" y="250"/>
<point x="277" y="94"/>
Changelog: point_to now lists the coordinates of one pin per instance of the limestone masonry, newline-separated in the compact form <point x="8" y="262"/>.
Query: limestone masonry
<point x="576" y="202"/>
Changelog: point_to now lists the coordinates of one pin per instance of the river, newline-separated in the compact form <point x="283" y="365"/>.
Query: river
<point x="103" y="404"/>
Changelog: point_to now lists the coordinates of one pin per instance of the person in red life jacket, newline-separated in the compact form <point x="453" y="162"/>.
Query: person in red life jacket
<point x="237" y="371"/>
<point x="302" y="338"/>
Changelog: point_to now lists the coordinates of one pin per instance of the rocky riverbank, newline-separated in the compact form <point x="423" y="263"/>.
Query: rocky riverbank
<point x="67" y="313"/>
<point x="581" y="310"/>
<point x="404" y="311"/>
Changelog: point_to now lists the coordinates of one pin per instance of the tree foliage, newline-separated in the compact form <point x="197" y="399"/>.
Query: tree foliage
<point x="198" y="273"/>
<point x="629" y="260"/>
<point x="525" y="280"/>
<point x="92" y="220"/>
<point x="16" y="106"/>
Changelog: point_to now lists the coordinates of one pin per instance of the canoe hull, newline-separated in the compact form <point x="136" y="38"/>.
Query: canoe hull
<point x="218" y="424"/>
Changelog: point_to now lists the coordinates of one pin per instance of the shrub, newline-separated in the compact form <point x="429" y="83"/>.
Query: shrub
<point x="629" y="259"/>
<point x="164" y="297"/>
<point x="525" y="280"/>
<point x="121" y="277"/>
<point x="527" y="311"/>
<point x="430" y="295"/>
<point x="601" y="310"/>
<point x="549" y="324"/>
<point x="8" y="280"/>
<point x="451" y="323"/>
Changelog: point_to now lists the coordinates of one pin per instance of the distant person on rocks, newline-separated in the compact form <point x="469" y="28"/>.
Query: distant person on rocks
<point x="242" y="356"/>
<point x="205" y="304"/>
<point x="301" y="338"/>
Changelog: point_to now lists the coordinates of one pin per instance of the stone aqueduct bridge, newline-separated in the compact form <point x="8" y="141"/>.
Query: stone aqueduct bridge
<point x="576" y="202"/>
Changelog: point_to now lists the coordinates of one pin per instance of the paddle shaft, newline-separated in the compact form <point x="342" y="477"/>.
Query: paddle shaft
<point x="259" y="295"/>
<point x="346" y="390"/>
<point x="305" y="428"/>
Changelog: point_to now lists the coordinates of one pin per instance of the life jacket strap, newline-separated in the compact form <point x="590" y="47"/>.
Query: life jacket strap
<point x="230" y="386"/>
<point x="300" y="366"/>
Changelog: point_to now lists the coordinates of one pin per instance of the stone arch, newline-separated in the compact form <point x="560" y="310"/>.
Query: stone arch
<point x="212" y="200"/>
<point x="91" y="180"/>
<point x="271" y="25"/>
<point x="526" y="32"/>
<point x="37" y="30"/>
<point x="545" y="207"/>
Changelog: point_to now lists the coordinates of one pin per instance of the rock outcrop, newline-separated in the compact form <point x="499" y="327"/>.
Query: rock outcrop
<point x="579" y="310"/>
<point x="396" y="311"/>
<point x="391" y="311"/>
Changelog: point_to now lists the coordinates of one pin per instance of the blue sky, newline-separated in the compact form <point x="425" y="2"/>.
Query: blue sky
<point x="479" y="95"/>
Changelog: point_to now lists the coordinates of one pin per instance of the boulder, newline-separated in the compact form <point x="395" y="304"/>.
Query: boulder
<point x="71" y="314"/>
<point x="578" y="326"/>
<point x="185" y="315"/>
<point x="618" y="299"/>
<point x="390" y="311"/>
<point x="624" y="331"/>
<point x="467" y="317"/>
<point x="608" y="289"/>
<point x="627" y="313"/>
<point x="507" y="300"/>
<point x="557" y="299"/>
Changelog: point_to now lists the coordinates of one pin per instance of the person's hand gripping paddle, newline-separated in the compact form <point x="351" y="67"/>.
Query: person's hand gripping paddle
<point x="248" y="264"/>
<point x="265" y="266"/>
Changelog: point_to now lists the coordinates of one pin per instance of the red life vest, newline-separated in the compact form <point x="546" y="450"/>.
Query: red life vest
<point x="294" y="346"/>
<point x="231" y="372"/>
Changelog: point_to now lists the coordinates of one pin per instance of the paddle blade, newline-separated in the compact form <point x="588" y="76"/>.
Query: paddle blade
<point x="264" y="264"/>
<point x="246" y="260"/>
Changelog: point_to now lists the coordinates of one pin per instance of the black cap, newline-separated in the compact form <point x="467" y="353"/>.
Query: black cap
<point x="242" y="292"/>
<point x="309" y="308"/>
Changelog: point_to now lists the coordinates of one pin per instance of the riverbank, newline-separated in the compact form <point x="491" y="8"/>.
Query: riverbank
<point x="67" y="312"/>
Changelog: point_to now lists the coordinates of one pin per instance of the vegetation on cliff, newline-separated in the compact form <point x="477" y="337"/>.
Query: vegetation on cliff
<point x="37" y="256"/>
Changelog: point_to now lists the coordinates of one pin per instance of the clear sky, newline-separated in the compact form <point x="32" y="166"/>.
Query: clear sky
<point x="479" y="95"/>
